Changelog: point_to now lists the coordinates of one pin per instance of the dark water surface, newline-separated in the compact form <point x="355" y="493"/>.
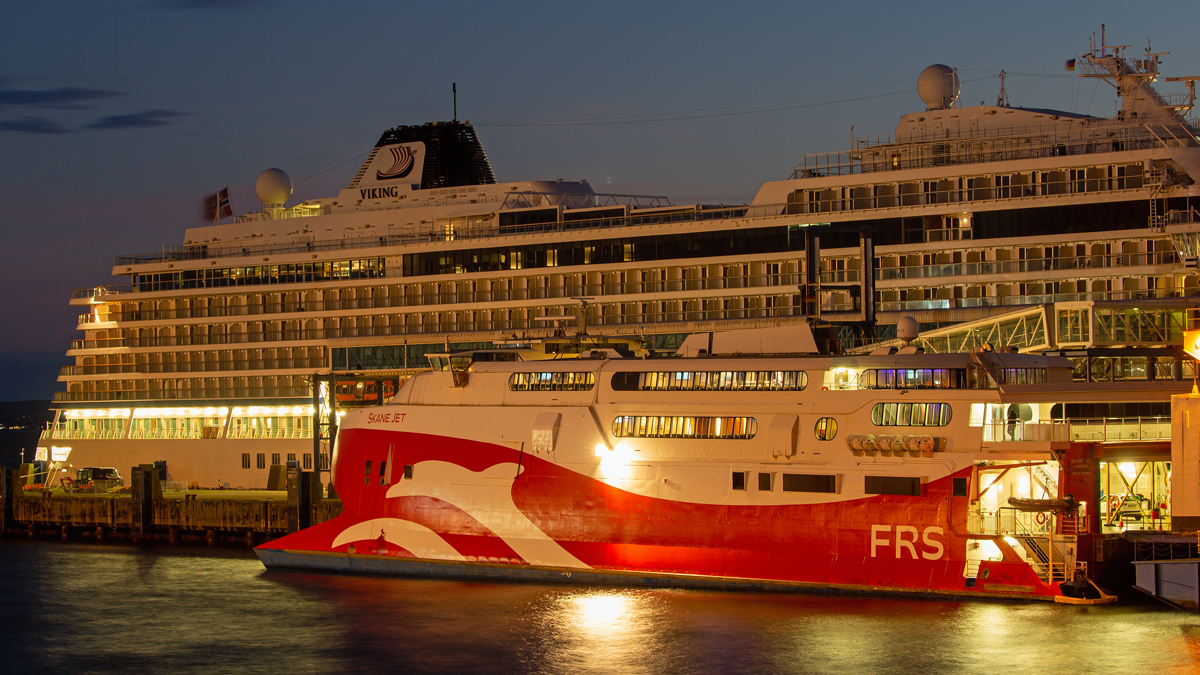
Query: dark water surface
<point x="84" y="608"/>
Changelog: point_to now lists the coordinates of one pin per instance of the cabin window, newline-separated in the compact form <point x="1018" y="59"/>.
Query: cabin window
<point x="308" y="461"/>
<point x="653" y="426"/>
<point x="367" y="473"/>
<point x="408" y="471"/>
<point x="552" y="381"/>
<point x="274" y="459"/>
<point x="892" y="485"/>
<point x="959" y="486"/>
<point x="826" y="429"/>
<point x="291" y="457"/>
<point x="911" y="414"/>
<point x="382" y="471"/>
<point x="245" y="460"/>
<point x="739" y="480"/>
<point x="261" y="461"/>
<point x="804" y="482"/>
<point x="765" y="482"/>
<point x="754" y="380"/>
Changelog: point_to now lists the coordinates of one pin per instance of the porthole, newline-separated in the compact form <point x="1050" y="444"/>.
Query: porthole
<point x="826" y="429"/>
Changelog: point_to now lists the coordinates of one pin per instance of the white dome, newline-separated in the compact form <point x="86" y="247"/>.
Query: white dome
<point x="273" y="186"/>
<point x="938" y="86"/>
<point x="907" y="329"/>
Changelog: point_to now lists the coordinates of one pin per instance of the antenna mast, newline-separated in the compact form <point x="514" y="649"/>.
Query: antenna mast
<point x="1002" y="99"/>
<point x="454" y="88"/>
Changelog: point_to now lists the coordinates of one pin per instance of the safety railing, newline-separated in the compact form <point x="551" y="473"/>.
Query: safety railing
<point x="1121" y="429"/>
<point x="1019" y="431"/>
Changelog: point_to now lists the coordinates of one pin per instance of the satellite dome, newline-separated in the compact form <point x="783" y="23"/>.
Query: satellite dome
<point x="938" y="86"/>
<point x="907" y="329"/>
<point x="273" y="187"/>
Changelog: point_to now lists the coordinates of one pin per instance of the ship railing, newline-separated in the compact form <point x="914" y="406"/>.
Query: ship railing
<point x="1036" y="265"/>
<point x="1020" y="431"/>
<point x="216" y="393"/>
<point x="828" y="200"/>
<point x="1017" y="142"/>
<point x="1109" y="429"/>
<point x="246" y="433"/>
<point x="83" y="434"/>
<point x="452" y="232"/>
<point x="1009" y="522"/>
<point x="1020" y="300"/>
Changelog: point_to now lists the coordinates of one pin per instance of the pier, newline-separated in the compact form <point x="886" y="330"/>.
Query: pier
<point x="144" y="511"/>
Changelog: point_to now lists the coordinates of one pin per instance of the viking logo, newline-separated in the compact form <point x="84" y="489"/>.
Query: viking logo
<point x="402" y="164"/>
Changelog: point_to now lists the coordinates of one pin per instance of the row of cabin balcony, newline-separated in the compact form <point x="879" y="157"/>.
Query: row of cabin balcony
<point x="1006" y="186"/>
<point x="840" y="270"/>
<point x="642" y="315"/>
<point x="213" y="388"/>
<point x="288" y="358"/>
<point x="719" y="276"/>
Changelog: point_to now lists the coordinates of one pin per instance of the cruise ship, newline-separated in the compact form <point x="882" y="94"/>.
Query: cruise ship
<point x="1043" y="230"/>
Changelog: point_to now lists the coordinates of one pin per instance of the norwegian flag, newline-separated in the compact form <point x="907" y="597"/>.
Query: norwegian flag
<point x="217" y="206"/>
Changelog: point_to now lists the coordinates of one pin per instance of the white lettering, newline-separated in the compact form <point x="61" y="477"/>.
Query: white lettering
<point x="875" y="541"/>
<point x="932" y="543"/>
<point x="901" y="544"/>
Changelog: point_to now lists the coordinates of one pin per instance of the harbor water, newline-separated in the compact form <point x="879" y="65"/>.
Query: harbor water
<point x="84" y="608"/>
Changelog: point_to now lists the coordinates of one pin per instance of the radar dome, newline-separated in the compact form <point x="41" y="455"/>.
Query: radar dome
<point x="273" y="187"/>
<point x="938" y="86"/>
<point x="907" y="329"/>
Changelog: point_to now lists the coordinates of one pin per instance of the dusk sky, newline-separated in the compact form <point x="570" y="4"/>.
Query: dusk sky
<point x="117" y="118"/>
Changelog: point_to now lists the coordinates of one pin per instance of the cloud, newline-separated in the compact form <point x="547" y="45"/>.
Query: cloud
<point x="138" y="120"/>
<point x="63" y="97"/>
<point x="33" y="125"/>
<point x="210" y="4"/>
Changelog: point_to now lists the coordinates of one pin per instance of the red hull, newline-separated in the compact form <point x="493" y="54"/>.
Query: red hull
<point x="883" y="542"/>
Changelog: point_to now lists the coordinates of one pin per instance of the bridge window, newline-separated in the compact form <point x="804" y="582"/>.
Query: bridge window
<point x="552" y="381"/>
<point x="913" y="378"/>
<point x="1023" y="375"/>
<point x="911" y="414"/>
<point x="684" y="427"/>
<point x="754" y="380"/>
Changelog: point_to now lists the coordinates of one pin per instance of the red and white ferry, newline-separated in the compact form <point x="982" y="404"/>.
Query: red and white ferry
<point x="725" y="467"/>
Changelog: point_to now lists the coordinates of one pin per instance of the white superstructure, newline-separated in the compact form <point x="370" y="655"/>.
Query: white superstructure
<point x="206" y="357"/>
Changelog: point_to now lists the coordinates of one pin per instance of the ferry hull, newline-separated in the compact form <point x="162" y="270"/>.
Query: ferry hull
<point x="483" y="510"/>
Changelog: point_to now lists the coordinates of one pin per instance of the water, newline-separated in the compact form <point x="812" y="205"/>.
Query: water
<point x="87" y="608"/>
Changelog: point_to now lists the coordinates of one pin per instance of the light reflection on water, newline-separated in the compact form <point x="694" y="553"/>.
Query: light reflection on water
<point x="95" y="608"/>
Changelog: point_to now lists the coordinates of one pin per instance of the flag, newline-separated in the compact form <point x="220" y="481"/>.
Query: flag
<point x="224" y="208"/>
<point x="1071" y="64"/>
<point x="217" y="206"/>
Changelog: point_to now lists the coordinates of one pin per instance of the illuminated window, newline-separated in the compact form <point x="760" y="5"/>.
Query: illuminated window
<point x="754" y="380"/>
<point x="684" y="427"/>
<point x="552" y="381"/>
<point x="911" y="414"/>
<point x="826" y="429"/>
<point x="913" y="378"/>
